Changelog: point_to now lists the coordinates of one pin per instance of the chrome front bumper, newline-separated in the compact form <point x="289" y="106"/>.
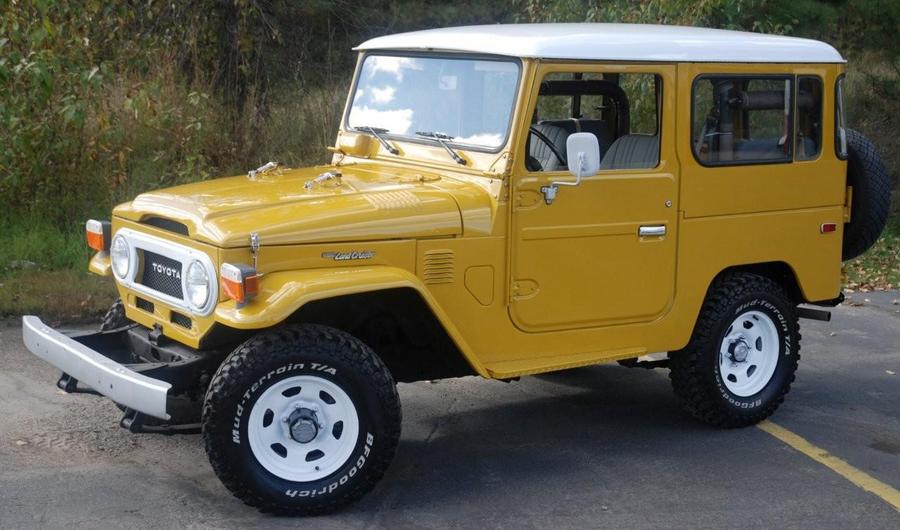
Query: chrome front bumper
<point x="108" y="377"/>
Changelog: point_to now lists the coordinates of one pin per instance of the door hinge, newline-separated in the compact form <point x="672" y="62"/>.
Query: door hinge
<point x="523" y="289"/>
<point x="526" y="198"/>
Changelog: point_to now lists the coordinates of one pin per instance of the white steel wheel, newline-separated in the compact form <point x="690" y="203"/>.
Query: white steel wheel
<point x="303" y="428"/>
<point x="749" y="353"/>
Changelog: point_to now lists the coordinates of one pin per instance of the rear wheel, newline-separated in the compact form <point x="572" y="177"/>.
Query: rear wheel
<point x="303" y="420"/>
<point x="741" y="360"/>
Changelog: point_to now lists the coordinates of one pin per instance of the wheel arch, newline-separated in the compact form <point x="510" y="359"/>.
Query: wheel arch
<point x="386" y="307"/>
<point x="778" y="271"/>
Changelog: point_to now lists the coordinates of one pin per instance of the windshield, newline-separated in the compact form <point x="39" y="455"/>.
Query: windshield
<point x="468" y="100"/>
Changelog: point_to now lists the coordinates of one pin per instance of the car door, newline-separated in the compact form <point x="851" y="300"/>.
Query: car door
<point x="602" y="253"/>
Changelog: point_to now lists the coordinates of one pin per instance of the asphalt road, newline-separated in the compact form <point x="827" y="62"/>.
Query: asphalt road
<point x="603" y="446"/>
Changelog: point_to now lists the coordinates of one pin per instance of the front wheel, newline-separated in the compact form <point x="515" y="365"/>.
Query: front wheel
<point x="301" y="420"/>
<point x="741" y="360"/>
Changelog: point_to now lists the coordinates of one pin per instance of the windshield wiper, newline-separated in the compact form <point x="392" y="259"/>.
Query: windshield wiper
<point x="442" y="138"/>
<point x="377" y="132"/>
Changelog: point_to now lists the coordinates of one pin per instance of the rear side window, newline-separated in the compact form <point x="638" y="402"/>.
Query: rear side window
<point x="809" y="118"/>
<point x="840" y="131"/>
<point x="742" y="119"/>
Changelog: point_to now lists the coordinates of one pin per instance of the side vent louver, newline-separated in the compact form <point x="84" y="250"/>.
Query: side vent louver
<point x="439" y="266"/>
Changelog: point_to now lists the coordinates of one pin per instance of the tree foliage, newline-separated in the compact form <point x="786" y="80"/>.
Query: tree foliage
<point x="100" y="100"/>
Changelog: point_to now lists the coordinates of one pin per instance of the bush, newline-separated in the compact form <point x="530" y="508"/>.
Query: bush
<point x="100" y="100"/>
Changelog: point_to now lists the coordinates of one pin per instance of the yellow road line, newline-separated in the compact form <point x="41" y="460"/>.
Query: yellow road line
<point x="841" y="467"/>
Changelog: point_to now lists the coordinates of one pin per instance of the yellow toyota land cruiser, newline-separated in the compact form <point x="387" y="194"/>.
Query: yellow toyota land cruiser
<point x="501" y="201"/>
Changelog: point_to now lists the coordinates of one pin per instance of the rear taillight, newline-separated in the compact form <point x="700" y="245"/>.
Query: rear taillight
<point x="239" y="282"/>
<point x="98" y="234"/>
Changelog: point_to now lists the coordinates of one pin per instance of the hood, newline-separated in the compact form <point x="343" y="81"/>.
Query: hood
<point x="364" y="204"/>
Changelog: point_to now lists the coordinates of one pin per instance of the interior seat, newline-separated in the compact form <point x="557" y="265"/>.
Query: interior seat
<point x="542" y="153"/>
<point x="632" y="151"/>
<point x="759" y="149"/>
<point x="598" y="128"/>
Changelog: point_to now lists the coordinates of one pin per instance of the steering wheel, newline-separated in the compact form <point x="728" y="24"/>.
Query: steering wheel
<point x="543" y="138"/>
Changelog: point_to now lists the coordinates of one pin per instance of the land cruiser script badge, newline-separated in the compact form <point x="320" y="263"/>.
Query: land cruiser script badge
<point x="347" y="256"/>
<point x="171" y="272"/>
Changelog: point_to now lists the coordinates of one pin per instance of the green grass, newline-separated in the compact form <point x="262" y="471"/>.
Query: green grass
<point x="879" y="268"/>
<point x="34" y="244"/>
<point x="56" y="296"/>
<point x="43" y="271"/>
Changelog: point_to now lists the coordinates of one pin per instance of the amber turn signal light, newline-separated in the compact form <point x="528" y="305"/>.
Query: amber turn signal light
<point x="98" y="233"/>
<point x="239" y="282"/>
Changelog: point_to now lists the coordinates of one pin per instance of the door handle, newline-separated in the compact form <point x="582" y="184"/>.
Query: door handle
<point x="652" y="231"/>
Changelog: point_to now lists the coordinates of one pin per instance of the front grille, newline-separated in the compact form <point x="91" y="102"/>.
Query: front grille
<point x="181" y="320"/>
<point x="162" y="274"/>
<point x="144" y="304"/>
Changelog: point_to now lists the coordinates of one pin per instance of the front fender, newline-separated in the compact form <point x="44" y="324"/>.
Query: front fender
<point x="283" y="293"/>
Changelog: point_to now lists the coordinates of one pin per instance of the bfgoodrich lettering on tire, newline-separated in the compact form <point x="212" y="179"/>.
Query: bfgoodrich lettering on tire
<point x="741" y="360"/>
<point x="303" y="419"/>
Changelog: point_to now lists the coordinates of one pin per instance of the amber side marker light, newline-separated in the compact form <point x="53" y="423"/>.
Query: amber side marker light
<point x="98" y="233"/>
<point x="239" y="282"/>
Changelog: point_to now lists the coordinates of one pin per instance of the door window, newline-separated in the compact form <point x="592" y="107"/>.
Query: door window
<point x="620" y="109"/>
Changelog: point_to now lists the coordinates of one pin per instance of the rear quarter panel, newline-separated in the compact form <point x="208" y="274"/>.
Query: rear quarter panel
<point x="748" y="214"/>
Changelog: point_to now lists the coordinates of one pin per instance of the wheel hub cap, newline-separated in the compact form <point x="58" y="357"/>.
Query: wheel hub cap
<point x="739" y="351"/>
<point x="304" y="425"/>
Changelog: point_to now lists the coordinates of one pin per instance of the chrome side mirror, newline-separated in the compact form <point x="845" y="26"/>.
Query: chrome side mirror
<point x="583" y="154"/>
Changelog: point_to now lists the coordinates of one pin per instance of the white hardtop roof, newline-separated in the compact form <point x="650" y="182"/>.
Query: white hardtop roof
<point x="613" y="42"/>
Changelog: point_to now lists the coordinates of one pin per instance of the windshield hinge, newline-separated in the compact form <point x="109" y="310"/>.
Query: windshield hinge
<point x="268" y="166"/>
<point x="500" y="167"/>
<point x="328" y="176"/>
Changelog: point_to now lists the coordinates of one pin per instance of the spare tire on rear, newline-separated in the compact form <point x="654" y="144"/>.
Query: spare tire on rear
<point x="871" y="196"/>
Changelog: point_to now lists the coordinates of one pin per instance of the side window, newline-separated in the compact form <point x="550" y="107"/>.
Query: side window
<point x="840" y="131"/>
<point x="742" y="120"/>
<point x="809" y="118"/>
<point x="621" y="110"/>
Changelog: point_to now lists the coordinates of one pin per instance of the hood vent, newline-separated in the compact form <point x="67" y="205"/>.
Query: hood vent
<point x="393" y="200"/>
<point x="439" y="266"/>
<point x="166" y="224"/>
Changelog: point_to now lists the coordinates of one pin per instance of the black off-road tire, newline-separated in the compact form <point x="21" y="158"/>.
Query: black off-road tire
<point x="115" y="317"/>
<point x="871" y="201"/>
<point x="278" y="354"/>
<point x="695" y="372"/>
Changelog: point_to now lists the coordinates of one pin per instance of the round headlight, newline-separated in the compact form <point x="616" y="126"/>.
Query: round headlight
<point x="197" y="285"/>
<point x="119" y="256"/>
